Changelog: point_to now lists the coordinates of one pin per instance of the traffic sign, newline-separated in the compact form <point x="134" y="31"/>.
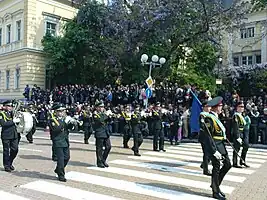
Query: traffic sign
<point x="148" y="93"/>
<point x="149" y="81"/>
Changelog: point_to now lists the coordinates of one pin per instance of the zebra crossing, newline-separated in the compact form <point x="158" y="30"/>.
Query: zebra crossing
<point x="175" y="174"/>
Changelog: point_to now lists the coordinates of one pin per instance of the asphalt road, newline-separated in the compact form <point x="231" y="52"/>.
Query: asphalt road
<point x="174" y="174"/>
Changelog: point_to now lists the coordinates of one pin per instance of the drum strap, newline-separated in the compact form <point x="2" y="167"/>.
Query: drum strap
<point x="5" y="117"/>
<point x="54" y="119"/>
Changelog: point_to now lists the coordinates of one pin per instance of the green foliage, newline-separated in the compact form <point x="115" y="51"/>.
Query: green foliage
<point x="104" y="42"/>
<point x="259" y="4"/>
<point x="196" y="67"/>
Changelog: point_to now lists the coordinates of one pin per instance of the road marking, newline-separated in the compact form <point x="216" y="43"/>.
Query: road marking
<point x="162" y="178"/>
<point x="197" y="145"/>
<point x="26" y="149"/>
<point x="131" y="187"/>
<point x="200" y="154"/>
<point x="6" y="195"/>
<point x="184" y="163"/>
<point x="65" y="191"/>
<point x="188" y="158"/>
<point x="47" y="138"/>
<point x="180" y="170"/>
<point x="249" y="154"/>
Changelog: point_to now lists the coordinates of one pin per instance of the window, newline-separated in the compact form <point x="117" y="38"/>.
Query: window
<point x="258" y="59"/>
<point x="18" y="23"/>
<point x="8" y="33"/>
<point x="236" y="61"/>
<point x="249" y="60"/>
<point x="247" y="32"/>
<point x="0" y="36"/>
<point x="17" y="78"/>
<point x="51" y="28"/>
<point x="250" y="32"/>
<point x="7" y="79"/>
<point x="244" y="60"/>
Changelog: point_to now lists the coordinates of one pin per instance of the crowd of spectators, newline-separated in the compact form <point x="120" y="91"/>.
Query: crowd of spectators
<point x="75" y="96"/>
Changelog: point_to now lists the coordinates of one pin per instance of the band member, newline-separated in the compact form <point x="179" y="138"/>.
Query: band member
<point x="9" y="136"/>
<point x="214" y="144"/>
<point x="59" y="131"/>
<point x="102" y="135"/>
<point x="127" y="130"/>
<point x="31" y="110"/>
<point x="157" y="129"/>
<point x="202" y="135"/>
<point x="87" y="124"/>
<point x="241" y="137"/>
<point x="174" y="119"/>
<point x="137" y="128"/>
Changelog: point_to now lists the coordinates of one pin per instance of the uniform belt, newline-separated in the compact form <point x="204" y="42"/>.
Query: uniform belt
<point x="218" y="137"/>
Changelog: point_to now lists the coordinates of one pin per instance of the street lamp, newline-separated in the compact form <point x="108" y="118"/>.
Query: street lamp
<point x="219" y="66"/>
<point x="155" y="61"/>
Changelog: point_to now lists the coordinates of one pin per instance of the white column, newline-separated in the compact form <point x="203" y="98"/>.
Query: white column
<point x="263" y="44"/>
<point x="230" y="50"/>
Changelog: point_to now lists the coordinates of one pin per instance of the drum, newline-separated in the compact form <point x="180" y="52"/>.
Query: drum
<point x="26" y="122"/>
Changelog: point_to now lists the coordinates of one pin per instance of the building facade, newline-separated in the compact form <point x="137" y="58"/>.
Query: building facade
<point x="23" y="23"/>
<point x="247" y="44"/>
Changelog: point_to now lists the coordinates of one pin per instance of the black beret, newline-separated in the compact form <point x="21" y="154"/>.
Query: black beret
<point x="58" y="106"/>
<point x="7" y="103"/>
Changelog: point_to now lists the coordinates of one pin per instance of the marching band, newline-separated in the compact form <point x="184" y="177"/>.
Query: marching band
<point x="15" y="120"/>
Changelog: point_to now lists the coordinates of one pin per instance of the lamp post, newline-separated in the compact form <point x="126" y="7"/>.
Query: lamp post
<point x="219" y="66"/>
<point x="155" y="61"/>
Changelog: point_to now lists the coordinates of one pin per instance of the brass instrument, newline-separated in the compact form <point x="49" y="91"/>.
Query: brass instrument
<point x="18" y="114"/>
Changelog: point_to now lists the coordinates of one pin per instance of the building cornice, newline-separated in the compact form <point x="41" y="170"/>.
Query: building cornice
<point x="27" y="49"/>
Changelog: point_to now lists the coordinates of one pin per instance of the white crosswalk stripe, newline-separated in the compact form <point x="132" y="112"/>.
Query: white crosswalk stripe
<point x="181" y="170"/>
<point x="130" y="186"/>
<point x="6" y="195"/>
<point x="65" y="191"/>
<point x="175" y="174"/>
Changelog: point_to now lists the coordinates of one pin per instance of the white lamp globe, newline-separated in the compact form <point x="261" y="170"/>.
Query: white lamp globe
<point x="162" y="61"/>
<point x="155" y="58"/>
<point x="144" y="58"/>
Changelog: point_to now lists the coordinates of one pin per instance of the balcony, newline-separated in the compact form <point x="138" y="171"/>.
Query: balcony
<point x="6" y="48"/>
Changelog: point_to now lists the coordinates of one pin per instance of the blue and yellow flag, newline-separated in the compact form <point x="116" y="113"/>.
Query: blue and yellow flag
<point x="195" y="112"/>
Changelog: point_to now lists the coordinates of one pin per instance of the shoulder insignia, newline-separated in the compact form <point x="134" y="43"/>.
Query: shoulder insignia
<point x="208" y="125"/>
<point x="53" y="123"/>
<point x="1" y="117"/>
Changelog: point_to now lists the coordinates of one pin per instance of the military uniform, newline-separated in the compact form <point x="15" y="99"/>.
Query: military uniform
<point x="157" y="130"/>
<point x="59" y="132"/>
<point x="241" y="138"/>
<point x="9" y="137"/>
<point x="102" y="137"/>
<point x="137" y="128"/>
<point x="215" y="148"/>
<point x="174" y="125"/>
<point x="203" y="136"/>
<point x="29" y="136"/>
<point x="87" y="126"/>
<point x="127" y="130"/>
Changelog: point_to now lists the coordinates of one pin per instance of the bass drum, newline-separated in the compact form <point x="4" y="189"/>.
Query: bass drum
<point x="26" y="122"/>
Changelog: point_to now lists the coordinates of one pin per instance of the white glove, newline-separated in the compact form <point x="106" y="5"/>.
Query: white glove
<point x="239" y="140"/>
<point x="16" y="120"/>
<point x="217" y="155"/>
<point x="68" y="119"/>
